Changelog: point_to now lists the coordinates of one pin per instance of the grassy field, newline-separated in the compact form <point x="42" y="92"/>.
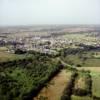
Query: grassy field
<point x="95" y="73"/>
<point x="89" y="61"/>
<point x="80" y="38"/>
<point x="96" y="84"/>
<point x="6" y="56"/>
<point x="55" y="87"/>
<point x="82" y="83"/>
<point x="73" y="97"/>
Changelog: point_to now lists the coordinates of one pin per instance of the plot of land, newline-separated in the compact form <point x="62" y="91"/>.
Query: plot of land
<point x="73" y="97"/>
<point x="95" y="73"/>
<point x="7" y="56"/>
<point x="96" y="84"/>
<point x="55" y="87"/>
<point x="76" y="60"/>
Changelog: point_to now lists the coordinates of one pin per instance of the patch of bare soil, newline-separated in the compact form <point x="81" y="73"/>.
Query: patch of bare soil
<point x="55" y="88"/>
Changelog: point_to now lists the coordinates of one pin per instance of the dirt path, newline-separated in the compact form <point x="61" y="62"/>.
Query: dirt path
<point x="55" y="87"/>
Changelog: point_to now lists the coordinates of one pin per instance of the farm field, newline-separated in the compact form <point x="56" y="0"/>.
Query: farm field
<point x="54" y="89"/>
<point x="82" y="60"/>
<point x="5" y="56"/>
<point x="96" y="84"/>
<point x="80" y="37"/>
<point x="82" y="84"/>
<point x="95" y="73"/>
<point x="73" y="97"/>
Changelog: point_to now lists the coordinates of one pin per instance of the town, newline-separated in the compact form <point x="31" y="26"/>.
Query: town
<point x="49" y="41"/>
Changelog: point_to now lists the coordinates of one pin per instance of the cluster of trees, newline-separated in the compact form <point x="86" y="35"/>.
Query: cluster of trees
<point x="68" y="51"/>
<point x="9" y="88"/>
<point x="19" y="51"/>
<point x="22" y="79"/>
<point x="89" y="47"/>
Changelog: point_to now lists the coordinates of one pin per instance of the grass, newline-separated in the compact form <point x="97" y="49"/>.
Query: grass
<point x="96" y="83"/>
<point x="82" y="83"/>
<point x="5" y="56"/>
<point x="3" y="49"/>
<point x="55" y="87"/>
<point x="73" y="97"/>
<point x="80" y="38"/>
<point x="95" y="73"/>
<point x="90" y="61"/>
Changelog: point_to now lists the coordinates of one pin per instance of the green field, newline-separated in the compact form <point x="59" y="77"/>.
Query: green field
<point x="82" y="84"/>
<point x="73" y="97"/>
<point x="95" y="73"/>
<point x="8" y="56"/>
<point x="5" y="56"/>
<point x="96" y="84"/>
<point x="83" y="60"/>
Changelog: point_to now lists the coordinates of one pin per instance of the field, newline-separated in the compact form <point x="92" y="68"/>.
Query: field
<point x="95" y="73"/>
<point x="7" y="56"/>
<point x="73" y="97"/>
<point x="85" y="61"/>
<point x="80" y="38"/>
<point x="96" y="84"/>
<point x="81" y="60"/>
<point x="82" y="84"/>
<point x="54" y="89"/>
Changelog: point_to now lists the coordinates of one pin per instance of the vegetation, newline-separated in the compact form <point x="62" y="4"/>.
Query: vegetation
<point x="83" y="84"/>
<point x="69" y="87"/>
<point x="23" y="78"/>
<point x="80" y="57"/>
<point x="96" y="84"/>
<point x="19" y="51"/>
<point x="80" y="84"/>
<point x="5" y="56"/>
<point x="74" y="97"/>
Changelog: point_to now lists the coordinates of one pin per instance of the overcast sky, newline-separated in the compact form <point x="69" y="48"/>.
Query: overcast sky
<point x="28" y="12"/>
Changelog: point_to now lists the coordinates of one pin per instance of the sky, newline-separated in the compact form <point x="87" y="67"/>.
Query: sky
<point x="31" y="12"/>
